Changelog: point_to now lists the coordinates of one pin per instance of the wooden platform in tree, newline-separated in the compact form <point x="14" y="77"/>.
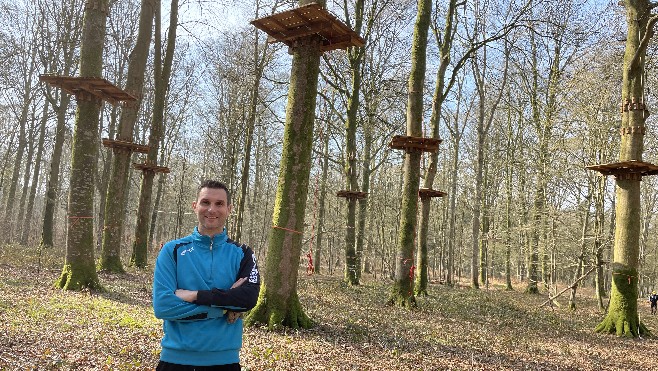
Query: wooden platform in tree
<point x="149" y="166"/>
<point x="288" y="26"/>
<point x="88" y="88"/>
<point x="352" y="194"/>
<point x="428" y="193"/>
<point x="408" y="143"/>
<point x="618" y="169"/>
<point x="133" y="147"/>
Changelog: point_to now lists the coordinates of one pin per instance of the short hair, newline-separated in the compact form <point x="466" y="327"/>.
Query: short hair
<point x="214" y="184"/>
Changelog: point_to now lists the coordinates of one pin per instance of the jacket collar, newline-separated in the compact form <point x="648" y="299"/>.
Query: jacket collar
<point x="205" y="240"/>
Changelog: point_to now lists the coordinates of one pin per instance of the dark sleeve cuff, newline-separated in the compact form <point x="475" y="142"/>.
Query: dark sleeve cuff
<point x="204" y="297"/>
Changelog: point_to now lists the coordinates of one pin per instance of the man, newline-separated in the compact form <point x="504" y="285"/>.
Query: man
<point x="201" y="284"/>
<point x="653" y="299"/>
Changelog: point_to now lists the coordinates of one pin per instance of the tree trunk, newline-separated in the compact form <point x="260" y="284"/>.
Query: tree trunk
<point x="79" y="269"/>
<point x="10" y="207"/>
<point x="366" y="172"/>
<point x="162" y="69"/>
<point x="278" y="303"/>
<point x="104" y="181"/>
<point x="455" y="136"/>
<point x="509" y="156"/>
<point x="622" y="317"/>
<point x="599" y="240"/>
<point x="321" y="203"/>
<point x="115" y="211"/>
<point x="18" y="228"/>
<point x="583" y="247"/>
<point x="355" y="56"/>
<point x="533" y="259"/>
<point x="402" y="292"/>
<point x="52" y="187"/>
<point x="260" y="60"/>
<point x="27" y="223"/>
<point x="70" y="26"/>
<point x="437" y="108"/>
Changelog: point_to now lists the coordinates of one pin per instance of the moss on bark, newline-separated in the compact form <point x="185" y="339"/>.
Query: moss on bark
<point x="623" y="318"/>
<point x="278" y="303"/>
<point x="77" y="277"/>
<point x="275" y="313"/>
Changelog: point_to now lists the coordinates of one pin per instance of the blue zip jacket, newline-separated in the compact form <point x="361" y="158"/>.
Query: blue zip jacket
<point x="197" y="333"/>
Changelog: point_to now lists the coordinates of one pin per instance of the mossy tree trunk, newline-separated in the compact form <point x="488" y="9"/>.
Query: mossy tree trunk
<point x="162" y="73"/>
<point x="355" y="56"/>
<point x="79" y="269"/>
<point x="278" y="302"/>
<point x="402" y="292"/>
<point x="52" y="185"/>
<point x="117" y="192"/>
<point x="69" y="25"/>
<point x="622" y="317"/>
<point x="366" y="172"/>
<point x="444" y="40"/>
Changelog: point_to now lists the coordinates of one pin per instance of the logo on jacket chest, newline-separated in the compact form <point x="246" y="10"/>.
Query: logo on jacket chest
<point x="187" y="251"/>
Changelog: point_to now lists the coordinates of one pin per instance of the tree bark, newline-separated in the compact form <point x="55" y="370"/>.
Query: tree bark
<point x="10" y="207"/>
<point x="278" y="303"/>
<point x="317" y="266"/>
<point x="355" y="56"/>
<point x="139" y="256"/>
<point x="115" y="211"/>
<point x="622" y="317"/>
<point x="402" y="292"/>
<point x="260" y="58"/>
<point x="79" y="269"/>
<point x="27" y="223"/>
<point x="445" y="47"/>
<point x="69" y="23"/>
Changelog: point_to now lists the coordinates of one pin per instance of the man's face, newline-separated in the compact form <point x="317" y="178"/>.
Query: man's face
<point x="212" y="209"/>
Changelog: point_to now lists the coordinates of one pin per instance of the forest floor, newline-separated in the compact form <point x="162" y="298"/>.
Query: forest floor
<point x="457" y="328"/>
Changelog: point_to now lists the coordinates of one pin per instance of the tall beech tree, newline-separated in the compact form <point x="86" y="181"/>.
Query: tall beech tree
<point x="66" y="33"/>
<point x="118" y="188"/>
<point x="402" y="291"/>
<point x="622" y="317"/>
<point x="162" y="74"/>
<point x="79" y="269"/>
<point x="278" y="303"/>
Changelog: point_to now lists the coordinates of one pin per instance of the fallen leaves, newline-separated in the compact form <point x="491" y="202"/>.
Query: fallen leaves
<point x="453" y="328"/>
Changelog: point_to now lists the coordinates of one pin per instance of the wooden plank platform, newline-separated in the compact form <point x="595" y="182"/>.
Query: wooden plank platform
<point x="428" y="193"/>
<point x="626" y="167"/>
<point x="133" y="147"/>
<point x="148" y="166"/>
<point x="86" y="88"/>
<point x="352" y="194"/>
<point x="415" y="143"/>
<point x="288" y="26"/>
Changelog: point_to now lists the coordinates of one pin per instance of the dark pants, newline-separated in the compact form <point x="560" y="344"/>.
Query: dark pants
<point x="166" y="366"/>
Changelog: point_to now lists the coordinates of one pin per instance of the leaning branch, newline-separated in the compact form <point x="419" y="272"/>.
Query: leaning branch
<point x="551" y="298"/>
<point x="641" y="49"/>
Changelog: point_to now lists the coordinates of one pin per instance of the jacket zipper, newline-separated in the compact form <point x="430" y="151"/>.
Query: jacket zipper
<point x="212" y="258"/>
